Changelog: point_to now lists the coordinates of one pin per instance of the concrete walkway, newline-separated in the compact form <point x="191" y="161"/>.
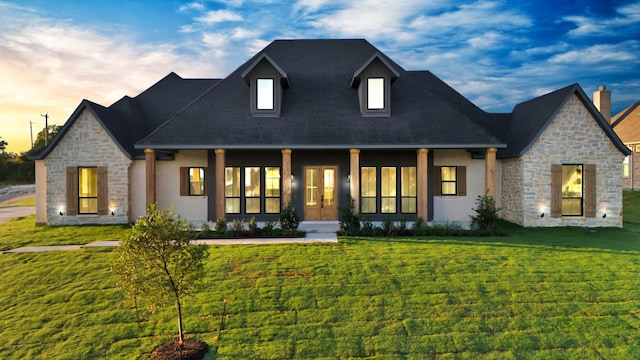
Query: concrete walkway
<point x="308" y="239"/>
<point x="11" y="212"/>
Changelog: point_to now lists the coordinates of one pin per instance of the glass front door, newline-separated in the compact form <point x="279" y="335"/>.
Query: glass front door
<point x="320" y="193"/>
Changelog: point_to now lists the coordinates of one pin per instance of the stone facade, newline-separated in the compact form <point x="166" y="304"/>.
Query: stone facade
<point x="572" y="137"/>
<point x="511" y="180"/>
<point x="86" y="143"/>
<point x="632" y="182"/>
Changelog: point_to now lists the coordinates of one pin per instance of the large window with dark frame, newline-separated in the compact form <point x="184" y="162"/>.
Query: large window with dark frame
<point x="388" y="190"/>
<point x="368" y="190"/>
<point x="87" y="190"/>
<point x="408" y="190"/>
<point x="252" y="190"/>
<point x="232" y="190"/>
<point x="572" y="190"/>
<point x="272" y="190"/>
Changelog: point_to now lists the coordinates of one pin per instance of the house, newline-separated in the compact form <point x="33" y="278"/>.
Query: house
<point x="312" y="122"/>
<point x="626" y="124"/>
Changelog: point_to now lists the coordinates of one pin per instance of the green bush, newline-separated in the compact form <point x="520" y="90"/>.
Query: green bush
<point x="486" y="217"/>
<point x="349" y="220"/>
<point x="289" y="220"/>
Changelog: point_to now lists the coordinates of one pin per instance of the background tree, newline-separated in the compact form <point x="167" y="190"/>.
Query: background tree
<point x="3" y="145"/>
<point x="159" y="261"/>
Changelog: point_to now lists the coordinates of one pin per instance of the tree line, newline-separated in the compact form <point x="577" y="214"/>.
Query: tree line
<point x="17" y="168"/>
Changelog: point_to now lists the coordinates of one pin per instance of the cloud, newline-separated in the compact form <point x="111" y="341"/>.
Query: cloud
<point x="50" y="65"/>
<point x="199" y="6"/>
<point x="218" y="16"/>
<point x="628" y="18"/>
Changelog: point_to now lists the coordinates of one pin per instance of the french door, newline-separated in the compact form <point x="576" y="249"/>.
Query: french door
<point x="320" y="193"/>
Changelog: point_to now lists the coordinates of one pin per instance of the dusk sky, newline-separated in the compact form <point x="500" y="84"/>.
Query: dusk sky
<point x="496" y="53"/>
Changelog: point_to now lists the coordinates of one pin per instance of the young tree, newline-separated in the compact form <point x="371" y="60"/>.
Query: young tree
<point x="159" y="261"/>
<point x="3" y="145"/>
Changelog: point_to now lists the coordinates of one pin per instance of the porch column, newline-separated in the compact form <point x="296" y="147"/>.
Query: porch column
<point x="286" y="177"/>
<point x="220" y="172"/>
<point x="423" y="185"/>
<point x="490" y="172"/>
<point x="354" y="173"/>
<point x="150" y="176"/>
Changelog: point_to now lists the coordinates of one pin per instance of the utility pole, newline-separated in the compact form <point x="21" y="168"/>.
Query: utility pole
<point x="46" y="128"/>
<point x="31" y="131"/>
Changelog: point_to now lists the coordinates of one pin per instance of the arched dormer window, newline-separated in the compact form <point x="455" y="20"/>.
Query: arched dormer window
<point x="266" y="81"/>
<point x="373" y="80"/>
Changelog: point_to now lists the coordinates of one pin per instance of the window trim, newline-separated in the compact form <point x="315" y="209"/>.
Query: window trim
<point x="80" y="197"/>
<point x="233" y="197"/>
<point x="582" y="191"/>
<point x="393" y="186"/>
<point x="202" y="182"/>
<point x="382" y="96"/>
<point x="272" y="95"/>
<point x="409" y="197"/>
<point x="461" y="180"/>
<point x="270" y="180"/>
<point x="375" y="191"/>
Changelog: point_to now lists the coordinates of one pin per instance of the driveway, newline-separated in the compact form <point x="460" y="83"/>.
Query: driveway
<point x="12" y="212"/>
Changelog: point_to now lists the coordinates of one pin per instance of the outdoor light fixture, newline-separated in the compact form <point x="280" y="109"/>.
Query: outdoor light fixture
<point x="604" y="215"/>
<point x="292" y="176"/>
<point x="113" y="213"/>
<point x="542" y="215"/>
<point x="61" y="213"/>
<point x="349" y="178"/>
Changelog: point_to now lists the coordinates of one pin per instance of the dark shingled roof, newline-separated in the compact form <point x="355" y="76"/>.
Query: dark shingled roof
<point x="530" y="118"/>
<point x="321" y="110"/>
<point x="130" y="119"/>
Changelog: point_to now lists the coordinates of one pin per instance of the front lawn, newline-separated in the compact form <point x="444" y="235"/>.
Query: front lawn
<point x="539" y="293"/>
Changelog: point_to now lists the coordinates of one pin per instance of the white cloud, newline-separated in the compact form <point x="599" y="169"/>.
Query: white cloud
<point x="52" y="65"/>
<point x="218" y="16"/>
<point x="628" y="15"/>
<point x="603" y="54"/>
<point x="198" y="6"/>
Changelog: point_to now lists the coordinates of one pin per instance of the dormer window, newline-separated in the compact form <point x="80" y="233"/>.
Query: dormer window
<point x="373" y="80"/>
<point x="266" y="81"/>
<point x="375" y="93"/>
<point x="265" y="94"/>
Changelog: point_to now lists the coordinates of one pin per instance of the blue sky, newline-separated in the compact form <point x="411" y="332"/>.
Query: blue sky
<point x="497" y="53"/>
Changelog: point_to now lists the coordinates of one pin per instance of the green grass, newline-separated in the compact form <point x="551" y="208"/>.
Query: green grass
<point x="22" y="232"/>
<point x="30" y="201"/>
<point x="537" y="294"/>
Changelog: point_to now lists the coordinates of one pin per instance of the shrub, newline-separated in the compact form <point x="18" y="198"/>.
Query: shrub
<point x="289" y="220"/>
<point x="486" y="217"/>
<point x="349" y="220"/>
<point x="221" y="226"/>
<point x="388" y="228"/>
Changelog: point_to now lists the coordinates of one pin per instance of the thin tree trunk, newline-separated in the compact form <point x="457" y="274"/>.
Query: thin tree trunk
<point x="179" y="320"/>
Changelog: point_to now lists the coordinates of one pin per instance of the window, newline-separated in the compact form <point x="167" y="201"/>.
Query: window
<point x="252" y="190"/>
<point x="375" y="93"/>
<point x="388" y="191"/>
<point x="265" y="94"/>
<point x="625" y="167"/>
<point x="408" y="191"/>
<point x="196" y="181"/>
<point x="368" y="190"/>
<point x="232" y="190"/>
<point x="87" y="190"/>
<point x="272" y="190"/>
<point x="448" y="180"/>
<point x="572" y="186"/>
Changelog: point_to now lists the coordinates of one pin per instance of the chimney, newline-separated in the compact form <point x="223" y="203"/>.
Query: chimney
<point x="602" y="101"/>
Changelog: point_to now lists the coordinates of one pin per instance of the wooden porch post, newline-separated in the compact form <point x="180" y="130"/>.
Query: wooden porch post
<point x="150" y="162"/>
<point x="490" y="172"/>
<point x="354" y="173"/>
<point x="423" y="185"/>
<point x="286" y="177"/>
<point x="220" y="172"/>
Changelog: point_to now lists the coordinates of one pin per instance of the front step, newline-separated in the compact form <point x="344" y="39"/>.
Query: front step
<point x="319" y="226"/>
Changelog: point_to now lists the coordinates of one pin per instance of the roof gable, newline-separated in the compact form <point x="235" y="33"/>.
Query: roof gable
<point x="531" y="118"/>
<point x="626" y="124"/>
<point x="284" y="80"/>
<point x="355" y="80"/>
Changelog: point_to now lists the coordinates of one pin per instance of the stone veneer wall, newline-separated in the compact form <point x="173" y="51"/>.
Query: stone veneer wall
<point x="634" y="169"/>
<point x="87" y="143"/>
<point x="572" y="137"/>
<point x="511" y="180"/>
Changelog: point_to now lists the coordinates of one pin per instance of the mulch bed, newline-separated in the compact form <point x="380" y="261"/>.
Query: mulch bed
<point x="191" y="349"/>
